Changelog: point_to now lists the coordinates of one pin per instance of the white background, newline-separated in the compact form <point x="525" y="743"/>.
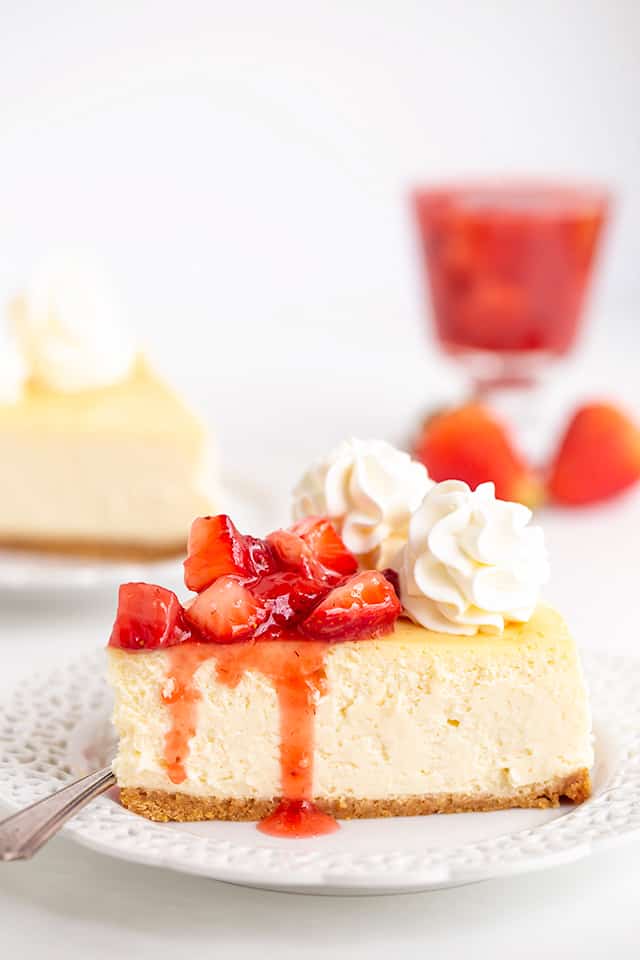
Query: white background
<point x="243" y="169"/>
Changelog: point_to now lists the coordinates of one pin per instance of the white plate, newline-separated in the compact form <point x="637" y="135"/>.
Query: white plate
<point x="248" y="504"/>
<point x="57" y="727"/>
<point x="23" y="571"/>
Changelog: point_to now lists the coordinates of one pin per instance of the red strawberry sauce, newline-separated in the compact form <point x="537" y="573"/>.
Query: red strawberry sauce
<point x="296" y="670"/>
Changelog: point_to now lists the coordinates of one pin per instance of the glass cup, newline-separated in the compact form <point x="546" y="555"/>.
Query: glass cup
<point x="508" y="266"/>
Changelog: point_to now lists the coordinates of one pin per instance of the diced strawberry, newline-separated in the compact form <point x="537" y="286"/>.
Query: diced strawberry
<point x="148" y="618"/>
<point x="294" y="554"/>
<point x="366" y="605"/>
<point x="215" y="549"/>
<point x="226" y="611"/>
<point x="322" y="538"/>
<point x="288" y="599"/>
<point x="305" y="595"/>
<point x="393" y="578"/>
<point x="598" y="457"/>
<point x="261" y="556"/>
<point x="297" y="581"/>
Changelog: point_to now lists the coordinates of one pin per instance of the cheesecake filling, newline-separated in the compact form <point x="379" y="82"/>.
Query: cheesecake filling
<point x="410" y="714"/>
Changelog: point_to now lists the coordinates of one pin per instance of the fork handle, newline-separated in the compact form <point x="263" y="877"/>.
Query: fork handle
<point x="23" y="833"/>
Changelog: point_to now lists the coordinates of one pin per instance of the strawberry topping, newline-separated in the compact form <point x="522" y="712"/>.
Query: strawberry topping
<point x="226" y="611"/>
<point x="287" y="599"/>
<point x="148" y="617"/>
<point x="294" y="554"/>
<point x="300" y="581"/>
<point x="366" y="605"/>
<point x="323" y="540"/>
<point x="215" y="549"/>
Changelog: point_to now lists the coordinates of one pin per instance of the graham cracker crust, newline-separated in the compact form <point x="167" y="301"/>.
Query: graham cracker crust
<point x="163" y="806"/>
<point x="96" y="549"/>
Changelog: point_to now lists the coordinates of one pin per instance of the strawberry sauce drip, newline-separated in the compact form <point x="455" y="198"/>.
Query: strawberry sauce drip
<point x="297" y="819"/>
<point x="297" y="671"/>
<point x="181" y="696"/>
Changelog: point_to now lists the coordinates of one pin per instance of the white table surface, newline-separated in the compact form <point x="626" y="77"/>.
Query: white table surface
<point x="70" y="902"/>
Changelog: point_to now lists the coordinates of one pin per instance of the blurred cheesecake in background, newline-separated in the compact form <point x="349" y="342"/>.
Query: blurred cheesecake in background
<point x="99" y="456"/>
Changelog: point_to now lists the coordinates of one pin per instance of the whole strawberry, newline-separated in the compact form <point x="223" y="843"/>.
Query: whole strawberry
<point x="598" y="457"/>
<point x="469" y="443"/>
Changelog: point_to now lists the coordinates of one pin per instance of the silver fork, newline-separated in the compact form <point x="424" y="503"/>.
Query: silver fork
<point x="22" y="834"/>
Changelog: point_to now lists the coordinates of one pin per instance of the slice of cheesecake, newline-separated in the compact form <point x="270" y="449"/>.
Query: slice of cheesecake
<point x="414" y="722"/>
<point x="99" y="455"/>
<point x="292" y="679"/>
<point x="117" y="471"/>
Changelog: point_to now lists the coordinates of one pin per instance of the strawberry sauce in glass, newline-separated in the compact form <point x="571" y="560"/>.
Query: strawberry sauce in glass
<point x="508" y="265"/>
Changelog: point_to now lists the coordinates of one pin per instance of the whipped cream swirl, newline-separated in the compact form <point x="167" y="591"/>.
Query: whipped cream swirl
<point x="67" y="326"/>
<point x="370" y="489"/>
<point x="471" y="562"/>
